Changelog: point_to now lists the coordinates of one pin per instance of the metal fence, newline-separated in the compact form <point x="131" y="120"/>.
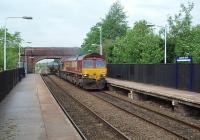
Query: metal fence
<point x="8" y="79"/>
<point x="170" y="75"/>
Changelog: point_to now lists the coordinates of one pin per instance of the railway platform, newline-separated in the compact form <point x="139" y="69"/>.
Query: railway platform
<point x="174" y="95"/>
<point x="29" y="112"/>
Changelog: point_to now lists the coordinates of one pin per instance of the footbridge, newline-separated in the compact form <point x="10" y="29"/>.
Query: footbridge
<point x="31" y="55"/>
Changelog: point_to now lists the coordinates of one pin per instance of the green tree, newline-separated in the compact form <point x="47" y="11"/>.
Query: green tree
<point x="195" y="43"/>
<point x="180" y="24"/>
<point x="180" y="33"/>
<point x="140" y="46"/>
<point x="92" y="37"/>
<point x="113" y="25"/>
<point x="190" y="44"/>
<point x="13" y="42"/>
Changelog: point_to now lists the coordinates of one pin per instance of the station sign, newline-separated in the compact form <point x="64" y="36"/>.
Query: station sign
<point x="184" y="58"/>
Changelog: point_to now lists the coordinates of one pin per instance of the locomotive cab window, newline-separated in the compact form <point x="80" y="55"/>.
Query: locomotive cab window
<point x="100" y="63"/>
<point x="88" y="64"/>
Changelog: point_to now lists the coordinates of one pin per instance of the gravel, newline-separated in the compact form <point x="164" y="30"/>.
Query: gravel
<point x="133" y="127"/>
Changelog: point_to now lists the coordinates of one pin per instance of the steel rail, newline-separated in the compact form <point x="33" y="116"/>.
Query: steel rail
<point x="157" y="112"/>
<point x="96" y="115"/>
<point x="174" y="133"/>
<point x="66" y="113"/>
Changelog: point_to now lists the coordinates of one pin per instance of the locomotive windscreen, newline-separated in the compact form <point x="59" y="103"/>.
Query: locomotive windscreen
<point x="88" y="63"/>
<point x="100" y="64"/>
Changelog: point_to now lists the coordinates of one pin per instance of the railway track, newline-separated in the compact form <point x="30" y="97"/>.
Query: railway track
<point x="88" y="123"/>
<point x="175" y="126"/>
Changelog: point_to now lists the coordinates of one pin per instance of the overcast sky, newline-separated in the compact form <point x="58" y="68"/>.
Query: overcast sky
<point x="64" y="23"/>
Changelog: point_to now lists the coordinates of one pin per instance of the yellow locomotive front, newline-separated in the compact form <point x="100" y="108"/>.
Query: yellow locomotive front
<point x="93" y="72"/>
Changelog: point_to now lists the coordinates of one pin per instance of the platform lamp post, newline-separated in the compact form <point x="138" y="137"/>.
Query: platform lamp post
<point x="19" y="53"/>
<point x="97" y="45"/>
<point x="100" y="40"/>
<point x="165" y="28"/>
<point x="5" y="31"/>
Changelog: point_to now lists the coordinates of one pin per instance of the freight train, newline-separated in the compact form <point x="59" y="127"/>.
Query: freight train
<point x="87" y="71"/>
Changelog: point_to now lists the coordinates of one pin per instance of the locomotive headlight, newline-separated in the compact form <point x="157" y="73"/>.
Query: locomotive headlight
<point x="85" y="75"/>
<point x="103" y="75"/>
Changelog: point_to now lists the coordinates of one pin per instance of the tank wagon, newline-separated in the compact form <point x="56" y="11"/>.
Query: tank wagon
<point x="87" y="71"/>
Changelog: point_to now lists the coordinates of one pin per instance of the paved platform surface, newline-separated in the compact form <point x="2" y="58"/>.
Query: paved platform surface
<point x="186" y="97"/>
<point x="30" y="112"/>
